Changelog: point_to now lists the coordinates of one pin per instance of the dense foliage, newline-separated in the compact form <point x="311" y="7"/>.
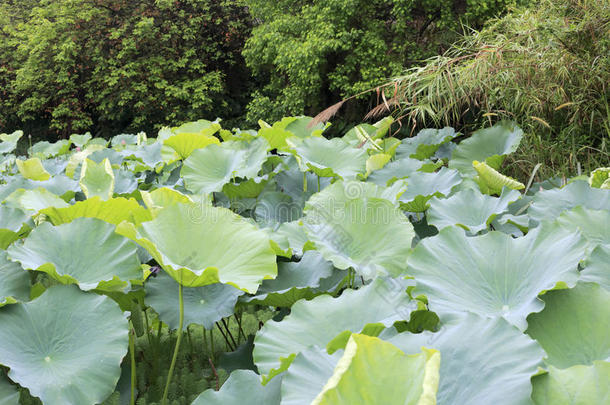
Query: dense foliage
<point x="114" y="65"/>
<point x="355" y="270"/>
<point x="308" y="55"/>
<point x="547" y="67"/>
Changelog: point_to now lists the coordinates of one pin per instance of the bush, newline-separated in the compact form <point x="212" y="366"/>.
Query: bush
<point x="74" y="65"/>
<point x="547" y="68"/>
<point x="308" y="55"/>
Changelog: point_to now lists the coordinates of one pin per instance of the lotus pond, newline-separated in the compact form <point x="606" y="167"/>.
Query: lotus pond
<point x="278" y="267"/>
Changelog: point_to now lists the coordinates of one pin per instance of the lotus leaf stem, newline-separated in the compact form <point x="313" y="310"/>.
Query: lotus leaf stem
<point x="177" y="348"/>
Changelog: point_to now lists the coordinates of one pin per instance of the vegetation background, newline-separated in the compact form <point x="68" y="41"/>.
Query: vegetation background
<point x="114" y="66"/>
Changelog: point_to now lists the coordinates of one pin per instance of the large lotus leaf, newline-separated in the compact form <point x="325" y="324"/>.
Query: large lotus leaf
<point x="9" y="141"/>
<point x="114" y="157"/>
<point x="12" y="224"/>
<point x="85" y="252"/>
<point x="331" y="158"/>
<point x="483" y="361"/>
<point x="80" y="140"/>
<point x="290" y="182"/>
<point x="163" y="197"/>
<point x="32" y="169"/>
<point x="297" y="280"/>
<point x="66" y="346"/>
<point x="600" y="178"/>
<point x="300" y="127"/>
<point x="400" y="169"/>
<point x="597" y="269"/>
<point x="149" y="155"/>
<point x="202" y="305"/>
<point x="125" y="182"/>
<point x="573" y="326"/>
<point x="34" y="200"/>
<point x="122" y="140"/>
<point x="320" y="320"/>
<point x="14" y="282"/>
<point x="421" y="187"/>
<point x="594" y="225"/>
<point x="97" y="179"/>
<point x="491" y="181"/>
<point x="242" y="387"/>
<point x="425" y="143"/>
<point x="185" y="143"/>
<point x="209" y="169"/>
<point x="9" y="394"/>
<point x="295" y="237"/>
<point x="577" y="385"/>
<point x="44" y="149"/>
<point x="55" y="166"/>
<point x="113" y="210"/>
<point x="469" y="209"/>
<point x="372" y="371"/>
<point x="494" y="274"/>
<point x="307" y="375"/>
<point x="549" y="204"/>
<point x="352" y="227"/>
<point x="274" y="208"/>
<point x="488" y="145"/>
<point x="79" y="157"/>
<point x="59" y="185"/>
<point x="198" y="245"/>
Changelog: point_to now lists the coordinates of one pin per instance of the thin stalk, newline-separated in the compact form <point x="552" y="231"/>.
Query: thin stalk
<point x="225" y="337"/>
<point x="226" y="325"/>
<point x="241" y="331"/>
<point x="205" y="339"/>
<point x="132" y="355"/>
<point x="304" y="182"/>
<point x="213" y="354"/>
<point x="177" y="348"/>
<point x="188" y="333"/>
<point x="318" y="184"/>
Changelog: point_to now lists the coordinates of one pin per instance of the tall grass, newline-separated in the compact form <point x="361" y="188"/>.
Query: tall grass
<point x="546" y="67"/>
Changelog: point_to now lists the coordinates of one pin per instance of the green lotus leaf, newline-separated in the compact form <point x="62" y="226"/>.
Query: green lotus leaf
<point x="573" y="326"/>
<point x="163" y="197"/>
<point x="14" y="282"/>
<point x="494" y="274"/>
<point x="114" y="157"/>
<point x="80" y="140"/>
<point x="65" y="346"/>
<point x="202" y="305"/>
<point x="309" y="277"/>
<point x="55" y="166"/>
<point x="85" y="252"/>
<point x="12" y="225"/>
<point x="7" y="147"/>
<point x="376" y="162"/>
<point x="209" y="169"/>
<point x="425" y="143"/>
<point x="352" y="227"/>
<point x="489" y="145"/>
<point x="114" y="211"/>
<point x="469" y="209"/>
<point x="97" y="179"/>
<point x="577" y="385"/>
<point x="292" y="235"/>
<point x="59" y="185"/>
<point x="372" y="371"/>
<point x="14" y="137"/>
<point x="125" y="182"/>
<point x="599" y="178"/>
<point x="242" y="387"/>
<point x="307" y="375"/>
<point x="32" y="169"/>
<point x="331" y="158"/>
<point x="549" y="204"/>
<point x="241" y="189"/>
<point x="596" y="268"/>
<point x="79" y="157"/>
<point x="34" y="200"/>
<point x="149" y="155"/>
<point x="9" y="394"/>
<point x="185" y="143"/>
<point x="320" y="320"/>
<point x="198" y="245"/>
<point x="483" y="361"/>
<point x="594" y="225"/>
<point x="122" y="140"/>
<point x="299" y="126"/>
<point x="274" y="208"/>
<point x="421" y="187"/>
<point x="290" y="181"/>
<point x="45" y="150"/>
<point x="399" y="169"/>
<point x="491" y="181"/>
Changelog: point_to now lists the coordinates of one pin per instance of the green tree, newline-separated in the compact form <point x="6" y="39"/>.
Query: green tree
<point x="119" y="65"/>
<point x="309" y="55"/>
